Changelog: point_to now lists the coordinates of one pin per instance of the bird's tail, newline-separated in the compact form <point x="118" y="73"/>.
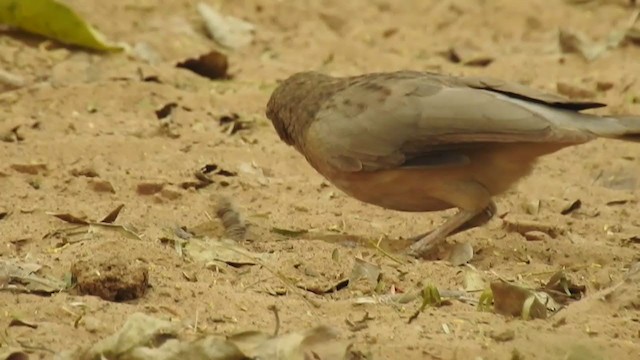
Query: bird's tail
<point x="619" y="127"/>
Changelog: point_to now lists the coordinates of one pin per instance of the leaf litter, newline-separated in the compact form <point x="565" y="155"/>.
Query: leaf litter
<point x="145" y="337"/>
<point x="22" y="277"/>
<point x="519" y="301"/>
<point x="87" y="229"/>
<point x="575" y="42"/>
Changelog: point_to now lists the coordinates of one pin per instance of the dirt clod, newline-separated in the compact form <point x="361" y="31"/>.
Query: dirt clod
<point x="111" y="279"/>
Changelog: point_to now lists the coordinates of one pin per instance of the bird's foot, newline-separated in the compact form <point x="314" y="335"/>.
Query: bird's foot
<point x="428" y="245"/>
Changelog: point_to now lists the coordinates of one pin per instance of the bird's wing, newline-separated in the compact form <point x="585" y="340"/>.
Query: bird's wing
<point x="417" y="119"/>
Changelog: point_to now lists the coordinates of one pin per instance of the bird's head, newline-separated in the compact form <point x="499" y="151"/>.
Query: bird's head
<point x="293" y="104"/>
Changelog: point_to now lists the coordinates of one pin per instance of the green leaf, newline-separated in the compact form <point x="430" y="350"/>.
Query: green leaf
<point x="53" y="20"/>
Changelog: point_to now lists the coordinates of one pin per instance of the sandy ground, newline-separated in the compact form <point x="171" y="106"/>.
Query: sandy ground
<point x="94" y="112"/>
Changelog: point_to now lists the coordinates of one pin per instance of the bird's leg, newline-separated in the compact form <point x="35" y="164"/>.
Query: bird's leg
<point x="476" y="208"/>
<point x="482" y="218"/>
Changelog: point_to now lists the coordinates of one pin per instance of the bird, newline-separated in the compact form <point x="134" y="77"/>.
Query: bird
<point x="415" y="141"/>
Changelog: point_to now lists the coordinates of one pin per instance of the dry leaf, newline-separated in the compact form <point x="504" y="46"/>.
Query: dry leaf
<point x="468" y="56"/>
<point x="222" y="250"/>
<point x="320" y="343"/>
<point x="102" y="186"/>
<point x="473" y="281"/>
<point x="562" y="289"/>
<point x="461" y="253"/>
<point x="165" y="110"/>
<point x="532" y="207"/>
<point x="574" y="42"/>
<point x="54" y="20"/>
<point x="513" y="300"/>
<point x="233" y="123"/>
<point x="22" y="277"/>
<point x="146" y="338"/>
<point x="20" y="322"/>
<point x="139" y="330"/>
<point x="226" y="30"/>
<point x="365" y="270"/>
<point x="212" y="65"/>
<point x="113" y="215"/>
<point x="323" y="288"/>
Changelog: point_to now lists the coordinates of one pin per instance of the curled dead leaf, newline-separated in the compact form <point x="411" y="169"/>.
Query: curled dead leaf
<point x="212" y="65"/>
<point x="460" y="254"/>
<point x="513" y="300"/>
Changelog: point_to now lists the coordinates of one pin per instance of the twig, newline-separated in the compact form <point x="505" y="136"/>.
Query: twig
<point x="384" y="252"/>
<point x="277" y="316"/>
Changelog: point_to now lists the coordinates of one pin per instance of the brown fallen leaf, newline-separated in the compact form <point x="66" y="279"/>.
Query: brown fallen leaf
<point x="562" y="289"/>
<point x="31" y="169"/>
<point x="113" y="215"/>
<point x="11" y="135"/>
<point x="571" y="207"/>
<point x="513" y="300"/>
<point x="149" y="188"/>
<point x="21" y="322"/>
<point x="165" y="110"/>
<point x="233" y="123"/>
<point x="604" y="85"/>
<point x="468" y="57"/>
<point x="102" y="186"/>
<point x="85" y="227"/>
<point x="322" y="288"/>
<point x="212" y="65"/>
<point x="574" y="91"/>
<point x="71" y="219"/>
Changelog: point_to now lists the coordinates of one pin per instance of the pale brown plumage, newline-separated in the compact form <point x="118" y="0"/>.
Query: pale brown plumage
<point x="415" y="141"/>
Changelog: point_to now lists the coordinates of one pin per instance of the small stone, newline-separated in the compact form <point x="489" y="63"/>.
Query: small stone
<point x="31" y="169"/>
<point x="503" y="336"/>
<point x="171" y="193"/>
<point x="102" y="186"/>
<point x="604" y="85"/>
<point x="85" y="171"/>
<point x="92" y="324"/>
<point x="536" y="236"/>
<point x="149" y="188"/>
<point x="573" y="91"/>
